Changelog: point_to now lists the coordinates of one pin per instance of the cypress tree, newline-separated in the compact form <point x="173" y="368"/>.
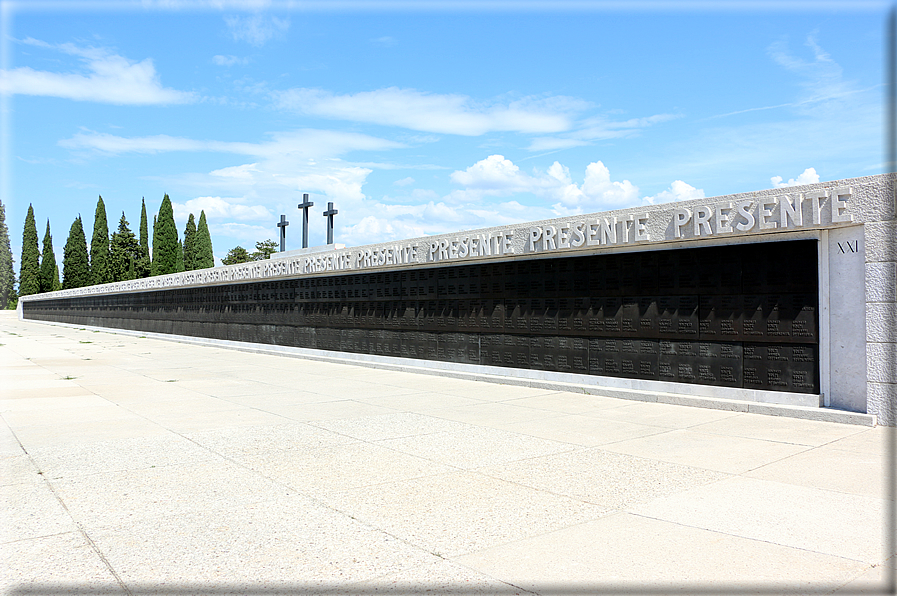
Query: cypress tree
<point x="124" y="251"/>
<point x="49" y="273"/>
<point x="153" y="249"/>
<point x="142" y="266"/>
<point x="57" y="284"/>
<point x="75" y="265"/>
<point x="165" y="240"/>
<point x="7" y="270"/>
<point x="190" y="244"/>
<point x="100" y="271"/>
<point x="203" y="247"/>
<point x="29" y="274"/>
<point x="179" y="264"/>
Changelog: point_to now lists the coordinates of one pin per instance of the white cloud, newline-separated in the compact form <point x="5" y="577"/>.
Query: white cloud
<point x="256" y="29"/>
<point x="493" y="173"/>
<point x="678" y="191"/>
<point x="493" y="194"/>
<point x="497" y="176"/>
<point x="221" y="208"/>
<point x="372" y="229"/>
<point x="106" y="78"/>
<point x="431" y="112"/>
<point x="229" y="60"/>
<point x="404" y="181"/>
<point x="809" y="176"/>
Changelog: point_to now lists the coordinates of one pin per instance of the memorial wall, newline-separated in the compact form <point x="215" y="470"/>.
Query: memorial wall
<point x="758" y="293"/>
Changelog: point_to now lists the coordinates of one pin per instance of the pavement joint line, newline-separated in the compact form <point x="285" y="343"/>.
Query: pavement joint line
<point x="770" y="409"/>
<point x="312" y="497"/>
<point x="77" y="524"/>
<point x="806" y="550"/>
<point x="19" y="540"/>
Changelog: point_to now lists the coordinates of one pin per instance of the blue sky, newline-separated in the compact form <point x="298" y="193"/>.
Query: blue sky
<point x="424" y="118"/>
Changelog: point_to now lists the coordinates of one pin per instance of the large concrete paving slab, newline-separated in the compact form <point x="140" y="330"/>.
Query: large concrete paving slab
<point x="134" y="465"/>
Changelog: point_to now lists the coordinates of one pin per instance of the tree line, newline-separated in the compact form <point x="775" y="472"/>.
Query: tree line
<point x="123" y="256"/>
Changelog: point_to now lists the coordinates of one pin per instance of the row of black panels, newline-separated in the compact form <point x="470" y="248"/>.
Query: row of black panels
<point x="765" y="268"/>
<point x="769" y="366"/>
<point x="790" y="318"/>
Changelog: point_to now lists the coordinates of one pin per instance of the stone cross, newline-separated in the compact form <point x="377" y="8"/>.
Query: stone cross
<point x="304" y="205"/>
<point x="329" y="215"/>
<point x="283" y="232"/>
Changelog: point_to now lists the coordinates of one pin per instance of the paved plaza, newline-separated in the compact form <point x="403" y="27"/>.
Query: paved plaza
<point x="133" y="465"/>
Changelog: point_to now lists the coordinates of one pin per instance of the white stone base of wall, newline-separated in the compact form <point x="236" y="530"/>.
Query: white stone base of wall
<point x="774" y="403"/>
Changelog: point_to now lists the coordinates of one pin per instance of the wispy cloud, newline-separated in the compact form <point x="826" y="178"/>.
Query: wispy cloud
<point x="820" y="78"/>
<point x="433" y="112"/>
<point x="256" y="29"/>
<point x="229" y="60"/>
<point x="385" y="41"/>
<point x="306" y="143"/>
<point x="831" y="116"/>
<point x="598" y="128"/>
<point x="105" y="78"/>
<point x="277" y="169"/>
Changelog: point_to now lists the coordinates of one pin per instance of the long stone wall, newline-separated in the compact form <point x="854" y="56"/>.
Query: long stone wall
<point x="850" y="222"/>
<point x="729" y="316"/>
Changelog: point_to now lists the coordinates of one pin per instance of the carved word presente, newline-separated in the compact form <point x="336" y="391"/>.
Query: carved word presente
<point x="478" y="245"/>
<point x="602" y="231"/>
<point x="763" y="214"/>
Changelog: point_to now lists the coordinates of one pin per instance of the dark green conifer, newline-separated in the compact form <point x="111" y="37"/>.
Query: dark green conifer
<point x="264" y="250"/>
<point x="49" y="273"/>
<point x="179" y="265"/>
<point x="236" y="255"/>
<point x="75" y="265"/>
<point x="205" y="258"/>
<point x="153" y="247"/>
<point x="124" y="251"/>
<point x="100" y="271"/>
<point x="190" y="244"/>
<point x="165" y="241"/>
<point x="142" y="266"/>
<point x="29" y="274"/>
<point x="7" y="270"/>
